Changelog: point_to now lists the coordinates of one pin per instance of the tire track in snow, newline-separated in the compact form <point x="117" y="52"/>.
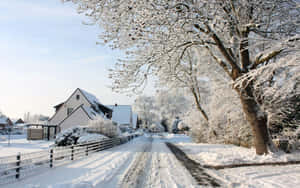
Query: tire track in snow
<point x="135" y="175"/>
<point x="112" y="179"/>
<point x="193" y="167"/>
<point x="165" y="170"/>
<point x="109" y="174"/>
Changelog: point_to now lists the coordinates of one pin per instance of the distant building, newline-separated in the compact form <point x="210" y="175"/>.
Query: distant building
<point x="123" y="115"/>
<point x="5" y="122"/>
<point x="79" y="109"/>
<point x="18" y="121"/>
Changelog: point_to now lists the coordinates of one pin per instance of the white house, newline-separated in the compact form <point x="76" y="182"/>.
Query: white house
<point x="123" y="115"/>
<point x="78" y="109"/>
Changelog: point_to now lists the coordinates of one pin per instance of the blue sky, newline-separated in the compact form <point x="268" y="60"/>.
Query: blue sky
<point x="46" y="53"/>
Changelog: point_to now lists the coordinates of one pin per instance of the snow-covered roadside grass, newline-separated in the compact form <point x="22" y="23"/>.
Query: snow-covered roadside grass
<point x="221" y="154"/>
<point x="262" y="176"/>
<point x="19" y="143"/>
<point x="253" y="177"/>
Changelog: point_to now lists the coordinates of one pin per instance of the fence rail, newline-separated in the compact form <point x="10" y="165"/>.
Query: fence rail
<point x="23" y="165"/>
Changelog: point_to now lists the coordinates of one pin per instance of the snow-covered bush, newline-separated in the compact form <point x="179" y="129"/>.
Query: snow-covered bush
<point x="69" y="136"/>
<point x="104" y="126"/>
<point x="76" y="135"/>
<point x="164" y="106"/>
<point x="227" y="119"/>
<point x="90" y="137"/>
<point x="171" y="104"/>
<point x="156" y="128"/>
<point x="199" y="126"/>
<point x="226" y="123"/>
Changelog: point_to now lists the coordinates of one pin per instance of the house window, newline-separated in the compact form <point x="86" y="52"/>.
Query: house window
<point x="77" y="97"/>
<point x="69" y="111"/>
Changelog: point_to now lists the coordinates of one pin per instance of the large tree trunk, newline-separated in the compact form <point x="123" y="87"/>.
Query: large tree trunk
<point x="258" y="121"/>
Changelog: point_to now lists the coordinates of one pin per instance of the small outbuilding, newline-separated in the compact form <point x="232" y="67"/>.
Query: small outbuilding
<point x="40" y="131"/>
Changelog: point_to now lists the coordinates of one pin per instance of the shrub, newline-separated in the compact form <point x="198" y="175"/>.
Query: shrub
<point x="69" y="136"/>
<point x="105" y="127"/>
<point x="76" y="135"/>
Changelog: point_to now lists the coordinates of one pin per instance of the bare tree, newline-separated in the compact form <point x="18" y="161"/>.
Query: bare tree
<point x="186" y="74"/>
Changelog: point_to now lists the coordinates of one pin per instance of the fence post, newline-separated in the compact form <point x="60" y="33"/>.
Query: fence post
<point x="51" y="158"/>
<point x="18" y="163"/>
<point x="99" y="146"/>
<point x="87" y="150"/>
<point x="72" y="152"/>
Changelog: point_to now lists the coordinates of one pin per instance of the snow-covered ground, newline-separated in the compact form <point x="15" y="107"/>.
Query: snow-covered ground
<point x="147" y="162"/>
<point x="165" y="170"/>
<point x="258" y="176"/>
<point x="19" y="143"/>
<point x="261" y="176"/>
<point x="221" y="154"/>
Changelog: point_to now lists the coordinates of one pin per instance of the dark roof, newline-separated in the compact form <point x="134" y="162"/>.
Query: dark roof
<point x="59" y="105"/>
<point x="19" y="121"/>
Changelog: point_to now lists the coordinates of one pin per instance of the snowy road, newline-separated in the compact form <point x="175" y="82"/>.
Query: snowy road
<point x="144" y="162"/>
<point x="147" y="162"/>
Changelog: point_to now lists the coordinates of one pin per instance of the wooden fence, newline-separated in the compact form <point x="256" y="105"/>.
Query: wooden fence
<point x="24" y="165"/>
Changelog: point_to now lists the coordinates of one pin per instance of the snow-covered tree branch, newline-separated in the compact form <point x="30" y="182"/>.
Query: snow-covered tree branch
<point x="241" y="35"/>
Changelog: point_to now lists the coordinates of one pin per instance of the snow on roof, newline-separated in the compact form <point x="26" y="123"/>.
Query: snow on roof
<point x="121" y="114"/>
<point x="90" y="97"/>
<point x="92" y="113"/>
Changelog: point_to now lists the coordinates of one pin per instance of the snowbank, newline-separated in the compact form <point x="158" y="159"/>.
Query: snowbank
<point x="220" y="154"/>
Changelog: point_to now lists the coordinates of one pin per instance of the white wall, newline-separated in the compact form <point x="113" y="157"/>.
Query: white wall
<point x="77" y="118"/>
<point x="71" y="103"/>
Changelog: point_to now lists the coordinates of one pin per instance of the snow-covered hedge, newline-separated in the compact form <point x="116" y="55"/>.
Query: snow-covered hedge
<point x="90" y="137"/>
<point x="104" y="126"/>
<point x="76" y="135"/>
